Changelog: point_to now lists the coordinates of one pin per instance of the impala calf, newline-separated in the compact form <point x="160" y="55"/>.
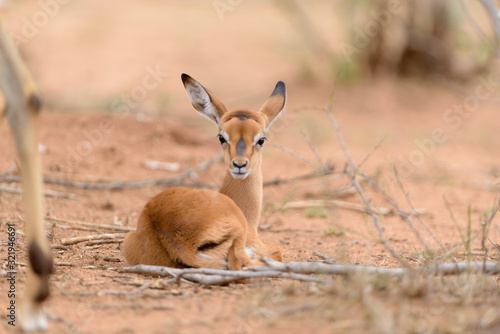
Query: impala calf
<point x="182" y="227"/>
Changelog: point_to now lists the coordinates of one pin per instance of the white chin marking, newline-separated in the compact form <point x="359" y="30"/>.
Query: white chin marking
<point x="240" y="176"/>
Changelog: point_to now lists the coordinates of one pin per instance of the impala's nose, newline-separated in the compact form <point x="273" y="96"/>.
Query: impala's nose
<point x="235" y="164"/>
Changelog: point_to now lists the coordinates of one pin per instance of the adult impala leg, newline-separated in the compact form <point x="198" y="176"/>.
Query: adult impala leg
<point x="21" y="104"/>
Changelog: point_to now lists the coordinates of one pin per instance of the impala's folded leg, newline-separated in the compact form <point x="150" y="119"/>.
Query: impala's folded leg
<point x="22" y="105"/>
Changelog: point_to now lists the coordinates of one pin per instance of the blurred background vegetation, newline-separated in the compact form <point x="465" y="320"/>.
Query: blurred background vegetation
<point x="87" y="55"/>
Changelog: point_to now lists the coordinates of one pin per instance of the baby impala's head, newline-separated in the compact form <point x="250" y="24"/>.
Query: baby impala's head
<point x="242" y="133"/>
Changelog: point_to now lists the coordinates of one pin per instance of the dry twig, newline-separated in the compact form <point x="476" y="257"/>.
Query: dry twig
<point x="325" y="258"/>
<point x="315" y="151"/>
<point x="347" y="269"/>
<point x="48" y="193"/>
<point x="300" y="270"/>
<point x="119" y="185"/>
<point x="294" y="179"/>
<point x="76" y="240"/>
<point x="342" y="205"/>
<point x="115" y="228"/>
<point x="207" y="276"/>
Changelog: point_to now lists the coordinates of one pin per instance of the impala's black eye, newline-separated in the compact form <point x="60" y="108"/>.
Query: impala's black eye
<point x="222" y="139"/>
<point x="261" y="141"/>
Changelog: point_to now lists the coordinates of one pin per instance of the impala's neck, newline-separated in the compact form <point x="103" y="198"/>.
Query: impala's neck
<point x="247" y="194"/>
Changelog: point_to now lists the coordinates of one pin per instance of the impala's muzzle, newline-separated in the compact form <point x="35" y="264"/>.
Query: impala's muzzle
<point x="239" y="170"/>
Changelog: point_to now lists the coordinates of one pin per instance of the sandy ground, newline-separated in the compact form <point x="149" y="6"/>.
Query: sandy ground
<point x="91" y="61"/>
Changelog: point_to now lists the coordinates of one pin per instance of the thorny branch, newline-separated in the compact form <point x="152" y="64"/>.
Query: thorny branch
<point x="351" y="169"/>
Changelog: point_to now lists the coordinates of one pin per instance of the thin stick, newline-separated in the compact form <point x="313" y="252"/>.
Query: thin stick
<point x="120" y="185"/>
<point x="375" y="219"/>
<point x="76" y="240"/>
<point x="294" y="179"/>
<point x="64" y="264"/>
<point x="407" y="196"/>
<point x="207" y="276"/>
<point x="485" y="229"/>
<point x="365" y="159"/>
<point x="299" y="270"/>
<point x="311" y="146"/>
<point x="97" y="226"/>
<point x="48" y="193"/>
<point x="102" y="242"/>
<point x="346" y="269"/>
<point x="342" y="205"/>
<point x="400" y="212"/>
<point x="134" y="306"/>
<point x="61" y="247"/>
<point x="296" y="156"/>
<point x="325" y="258"/>
<point x="328" y="110"/>
<point x="10" y="170"/>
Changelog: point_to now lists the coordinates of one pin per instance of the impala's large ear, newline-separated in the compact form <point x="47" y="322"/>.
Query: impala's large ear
<point x="207" y="104"/>
<point x="275" y="104"/>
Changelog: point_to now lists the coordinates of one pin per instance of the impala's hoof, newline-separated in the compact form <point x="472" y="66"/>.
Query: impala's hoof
<point x="34" y="320"/>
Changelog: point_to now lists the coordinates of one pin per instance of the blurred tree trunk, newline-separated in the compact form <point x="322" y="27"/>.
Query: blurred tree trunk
<point x="418" y="42"/>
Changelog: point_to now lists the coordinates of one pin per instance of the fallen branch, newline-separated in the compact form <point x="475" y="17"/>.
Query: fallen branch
<point x="76" y="240"/>
<point x="120" y="185"/>
<point x="346" y="269"/>
<point x="300" y="270"/>
<point x="48" y="193"/>
<point x="207" y="276"/>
